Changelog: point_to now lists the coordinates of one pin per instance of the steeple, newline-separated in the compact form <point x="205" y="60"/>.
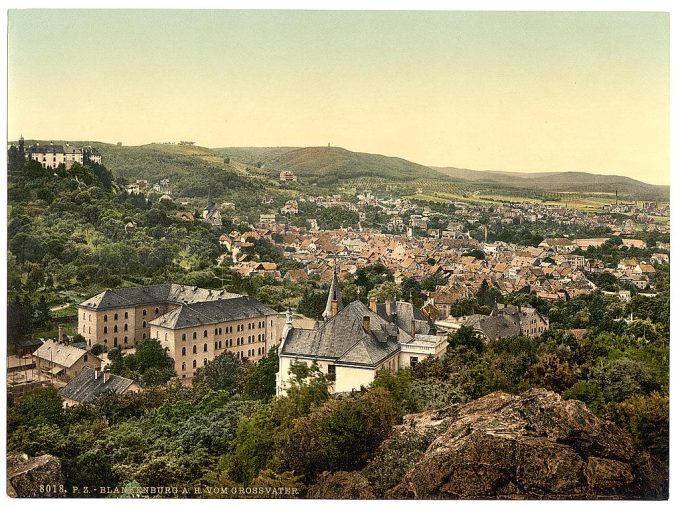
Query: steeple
<point x="334" y="302"/>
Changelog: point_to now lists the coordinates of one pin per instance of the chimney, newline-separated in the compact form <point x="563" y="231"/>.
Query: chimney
<point x="61" y="333"/>
<point x="96" y="373"/>
<point x="106" y="375"/>
<point x="413" y="327"/>
<point x="367" y="324"/>
<point x="373" y="304"/>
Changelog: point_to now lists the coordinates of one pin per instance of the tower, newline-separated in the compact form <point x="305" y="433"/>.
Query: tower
<point x="334" y="302"/>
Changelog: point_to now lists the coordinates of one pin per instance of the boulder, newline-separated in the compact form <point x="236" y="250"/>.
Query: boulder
<point x="341" y="485"/>
<point x="531" y="446"/>
<point x="36" y="477"/>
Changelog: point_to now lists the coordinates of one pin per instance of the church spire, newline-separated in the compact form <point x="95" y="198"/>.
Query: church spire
<point x="334" y="302"/>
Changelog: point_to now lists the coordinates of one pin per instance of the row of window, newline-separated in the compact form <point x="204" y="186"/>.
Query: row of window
<point x="106" y="329"/>
<point x="115" y="315"/>
<point x="240" y="341"/>
<point x="115" y="341"/>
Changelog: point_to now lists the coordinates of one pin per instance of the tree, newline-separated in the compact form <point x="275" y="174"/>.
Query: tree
<point x="385" y="292"/>
<point x="42" y="406"/>
<point x="313" y="304"/>
<point x="225" y="373"/>
<point x="646" y="419"/>
<point x="467" y="339"/>
<point x="553" y="372"/>
<point x="42" y="316"/>
<point x="260" y="382"/>
<point x="487" y="295"/>
<point x="254" y="447"/>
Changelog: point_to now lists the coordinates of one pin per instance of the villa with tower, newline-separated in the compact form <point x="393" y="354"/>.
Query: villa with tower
<point x="355" y="341"/>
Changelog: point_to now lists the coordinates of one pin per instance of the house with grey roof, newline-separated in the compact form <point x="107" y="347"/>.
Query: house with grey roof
<point x="507" y="320"/>
<point x="92" y="383"/>
<point x="59" y="361"/>
<point x="355" y="341"/>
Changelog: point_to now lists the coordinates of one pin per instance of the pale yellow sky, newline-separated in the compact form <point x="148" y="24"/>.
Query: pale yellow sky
<point x="482" y="90"/>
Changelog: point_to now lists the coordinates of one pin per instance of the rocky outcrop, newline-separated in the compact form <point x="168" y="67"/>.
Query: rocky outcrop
<point x="341" y="485"/>
<point x="34" y="477"/>
<point x="534" y="445"/>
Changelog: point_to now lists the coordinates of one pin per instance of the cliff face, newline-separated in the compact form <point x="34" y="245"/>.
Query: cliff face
<point x="26" y="475"/>
<point x="534" y="445"/>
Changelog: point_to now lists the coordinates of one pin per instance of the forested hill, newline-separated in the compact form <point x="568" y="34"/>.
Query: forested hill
<point x="332" y="162"/>
<point x="195" y="168"/>
<point x="566" y="181"/>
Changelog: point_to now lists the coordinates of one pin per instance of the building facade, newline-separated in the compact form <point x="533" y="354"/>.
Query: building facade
<point x="356" y="341"/>
<point x="50" y="156"/>
<point x="195" y="324"/>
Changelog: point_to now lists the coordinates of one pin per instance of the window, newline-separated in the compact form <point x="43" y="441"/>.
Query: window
<point x="115" y="316"/>
<point x="156" y="310"/>
<point x="166" y="336"/>
<point x="331" y="372"/>
<point x="144" y="312"/>
<point x="126" y="315"/>
<point x="215" y="332"/>
<point x="144" y="323"/>
<point x="184" y="337"/>
<point x="85" y="358"/>
<point x="194" y="364"/>
<point x="184" y="366"/>
<point x="184" y="351"/>
<point x="106" y="318"/>
<point x="194" y="348"/>
<point x="194" y="335"/>
<point x="220" y="330"/>
<point x="205" y="333"/>
<point x="89" y="329"/>
<point x="205" y="347"/>
<point x="115" y="328"/>
<point x="106" y="329"/>
<point x="205" y="361"/>
<point x="125" y="340"/>
<point x="215" y="345"/>
<point x="115" y="341"/>
<point x="220" y="344"/>
<point x="125" y="327"/>
<point x="413" y="361"/>
<point x="144" y="336"/>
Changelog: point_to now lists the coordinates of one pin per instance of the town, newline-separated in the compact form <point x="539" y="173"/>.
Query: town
<point x="369" y="287"/>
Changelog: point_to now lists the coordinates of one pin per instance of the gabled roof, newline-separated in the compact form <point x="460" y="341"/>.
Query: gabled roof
<point x="85" y="388"/>
<point x="343" y="339"/>
<point x="210" y="312"/>
<point x="153" y="294"/>
<point x="57" y="353"/>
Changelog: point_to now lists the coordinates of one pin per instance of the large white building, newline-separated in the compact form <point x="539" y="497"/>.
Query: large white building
<point x="354" y="342"/>
<point x="51" y="156"/>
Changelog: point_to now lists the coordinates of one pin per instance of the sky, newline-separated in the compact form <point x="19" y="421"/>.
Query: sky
<point x="514" y="91"/>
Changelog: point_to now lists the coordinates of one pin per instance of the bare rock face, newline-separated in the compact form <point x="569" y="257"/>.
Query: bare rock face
<point x="26" y="475"/>
<point x="531" y="446"/>
<point x="341" y="485"/>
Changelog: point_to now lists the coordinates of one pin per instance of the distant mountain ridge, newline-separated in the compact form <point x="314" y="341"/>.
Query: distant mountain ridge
<point x="331" y="165"/>
<point x="564" y="181"/>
